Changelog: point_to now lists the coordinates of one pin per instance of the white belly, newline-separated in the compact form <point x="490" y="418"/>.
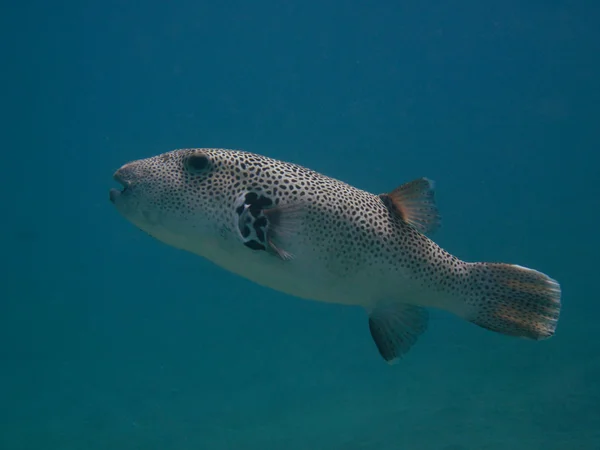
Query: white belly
<point x="303" y="276"/>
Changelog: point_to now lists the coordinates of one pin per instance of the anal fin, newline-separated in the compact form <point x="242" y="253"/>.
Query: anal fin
<point x="396" y="328"/>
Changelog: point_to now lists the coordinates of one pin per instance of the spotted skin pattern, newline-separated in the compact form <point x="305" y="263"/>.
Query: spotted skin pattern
<point x="349" y="246"/>
<point x="350" y="230"/>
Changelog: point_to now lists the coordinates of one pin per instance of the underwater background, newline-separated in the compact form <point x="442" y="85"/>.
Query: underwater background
<point x="112" y="340"/>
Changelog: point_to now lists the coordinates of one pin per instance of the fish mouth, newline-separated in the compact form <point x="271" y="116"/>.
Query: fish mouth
<point x="116" y="193"/>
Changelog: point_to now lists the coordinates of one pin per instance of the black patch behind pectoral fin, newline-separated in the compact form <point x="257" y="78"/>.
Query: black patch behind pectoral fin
<point x="284" y="223"/>
<point x="254" y="245"/>
<point x="414" y="203"/>
<point x="396" y="328"/>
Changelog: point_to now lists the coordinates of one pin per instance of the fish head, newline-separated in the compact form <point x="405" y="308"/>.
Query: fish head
<point x="183" y="194"/>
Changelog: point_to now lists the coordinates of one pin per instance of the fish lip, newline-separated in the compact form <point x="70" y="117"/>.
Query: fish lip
<point x="115" y="193"/>
<point x="119" y="178"/>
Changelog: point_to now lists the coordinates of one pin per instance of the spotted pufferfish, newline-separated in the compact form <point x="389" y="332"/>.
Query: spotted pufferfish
<point x="297" y="231"/>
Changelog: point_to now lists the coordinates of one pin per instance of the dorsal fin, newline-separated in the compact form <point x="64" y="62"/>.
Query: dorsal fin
<point x="414" y="203"/>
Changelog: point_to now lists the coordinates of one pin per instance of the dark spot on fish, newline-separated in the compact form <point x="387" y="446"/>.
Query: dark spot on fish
<point x="251" y="197"/>
<point x="246" y="231"/>
<point x="254" y="245"/>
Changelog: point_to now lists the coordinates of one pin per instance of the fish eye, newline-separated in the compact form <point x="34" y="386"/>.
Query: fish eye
<point x="197" y="162"/>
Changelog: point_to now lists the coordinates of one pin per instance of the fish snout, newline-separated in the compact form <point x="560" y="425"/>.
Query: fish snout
<point x="126" y="173"/>
<point x="125" y="176"/>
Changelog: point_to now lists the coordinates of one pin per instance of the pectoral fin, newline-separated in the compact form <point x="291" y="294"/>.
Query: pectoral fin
<point x="263" y="226"/>
<point x="283" y="224"/>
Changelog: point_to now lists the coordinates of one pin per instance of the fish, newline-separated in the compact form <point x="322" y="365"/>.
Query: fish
<point x="305" y="234"/>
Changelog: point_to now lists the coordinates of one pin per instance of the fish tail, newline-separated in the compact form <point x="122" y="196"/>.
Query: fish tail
<point x="511" y="300"/>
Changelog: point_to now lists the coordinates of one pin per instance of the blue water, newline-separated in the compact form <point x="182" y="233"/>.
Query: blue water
<point x="111" y="340"/>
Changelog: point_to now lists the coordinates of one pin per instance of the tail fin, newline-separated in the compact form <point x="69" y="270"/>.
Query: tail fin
<point x="512" y="300"/>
